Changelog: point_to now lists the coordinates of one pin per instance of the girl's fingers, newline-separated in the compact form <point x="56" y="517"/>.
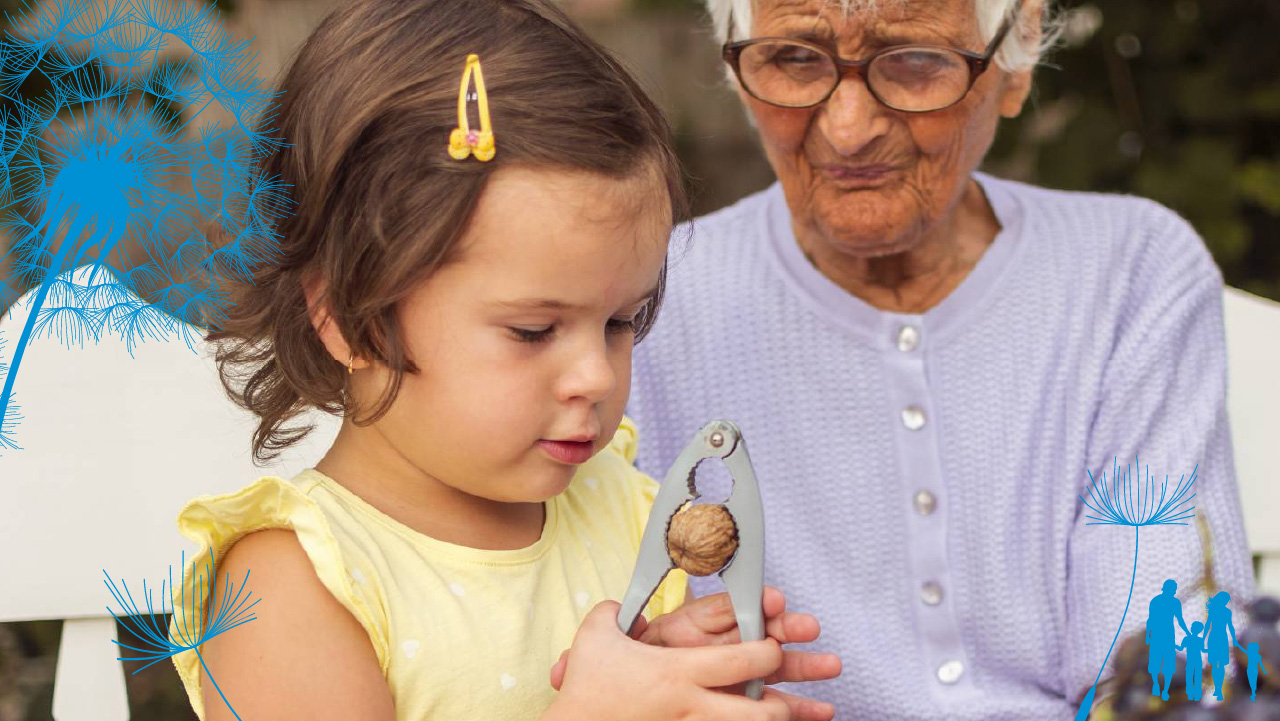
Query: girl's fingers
<point x="697" y="623"/>
<point x="793" y="628"/>
<point x="784" y="628"/>
<point x="803" y="709"/>
<point x="558" y="669"/>
<point x="710" y="621"/>
<point x="713" y="666"/>
<point x="798" y="666"/>
<point x="638" y="627"/>
<point x="714" y="613"/>
<point x="770" y="707"/>
<point x="774" y="602"/>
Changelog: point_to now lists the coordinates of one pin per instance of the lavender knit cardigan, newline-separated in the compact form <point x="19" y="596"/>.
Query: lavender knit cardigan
<point x="921" y="472"/>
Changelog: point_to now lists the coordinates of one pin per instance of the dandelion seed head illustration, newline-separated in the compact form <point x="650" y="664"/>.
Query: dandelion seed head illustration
<point x="231" y="609"/>
<point x="1130" y="501"/>
<point x="103" y="169"/>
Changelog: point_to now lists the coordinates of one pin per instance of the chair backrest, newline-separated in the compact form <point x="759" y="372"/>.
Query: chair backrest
<point x="1253" y="403"/>
<point x="112" y="446"/>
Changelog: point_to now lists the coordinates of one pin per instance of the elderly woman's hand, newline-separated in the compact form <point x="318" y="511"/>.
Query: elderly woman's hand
<point x="709" y="621"/>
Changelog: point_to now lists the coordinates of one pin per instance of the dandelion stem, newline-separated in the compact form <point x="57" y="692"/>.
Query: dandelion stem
<point x="215" y="683"/>
<point x="1132" y="578"/>
<point x="1086" y="704"/>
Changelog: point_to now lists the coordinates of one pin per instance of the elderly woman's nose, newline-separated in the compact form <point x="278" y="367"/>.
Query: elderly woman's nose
<point x="852" y="117"/>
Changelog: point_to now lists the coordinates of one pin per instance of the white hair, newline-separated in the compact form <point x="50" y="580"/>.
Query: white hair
<point x="1020" y="50"/>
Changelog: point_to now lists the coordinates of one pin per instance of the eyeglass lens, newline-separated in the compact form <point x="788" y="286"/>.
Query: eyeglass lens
<point x="912" y="78"/>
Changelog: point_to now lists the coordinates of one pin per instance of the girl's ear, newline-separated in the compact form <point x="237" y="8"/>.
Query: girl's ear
<point x="314" y="290"/>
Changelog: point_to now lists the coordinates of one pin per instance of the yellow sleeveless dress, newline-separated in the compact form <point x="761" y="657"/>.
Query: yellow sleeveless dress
<point x="460" y="633"/>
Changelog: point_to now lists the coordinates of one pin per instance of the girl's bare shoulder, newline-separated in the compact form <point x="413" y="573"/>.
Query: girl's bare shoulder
<point x="303" y="657"/>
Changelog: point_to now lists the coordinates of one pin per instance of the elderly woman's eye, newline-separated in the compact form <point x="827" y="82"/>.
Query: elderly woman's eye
<point x="796" y="55"/>
<point x="915" y="65"/>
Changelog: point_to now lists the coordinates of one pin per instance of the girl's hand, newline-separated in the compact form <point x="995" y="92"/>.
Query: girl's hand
<point x="709" y="621"/>
<point x="606" y="674"/>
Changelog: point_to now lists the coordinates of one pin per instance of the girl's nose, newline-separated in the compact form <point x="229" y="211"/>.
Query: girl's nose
<point x="590" y="376"/>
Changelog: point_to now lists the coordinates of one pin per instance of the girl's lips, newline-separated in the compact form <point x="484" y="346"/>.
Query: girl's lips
<point x="574" y="452"/>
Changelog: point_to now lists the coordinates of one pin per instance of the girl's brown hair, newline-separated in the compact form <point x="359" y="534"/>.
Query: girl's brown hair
<point x="376" y="203"/>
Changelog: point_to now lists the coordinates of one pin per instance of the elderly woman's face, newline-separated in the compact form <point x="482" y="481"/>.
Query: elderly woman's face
<point x="869" y="179"/>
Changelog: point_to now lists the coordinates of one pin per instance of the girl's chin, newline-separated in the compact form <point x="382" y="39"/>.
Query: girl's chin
<point x="547" y="485"/>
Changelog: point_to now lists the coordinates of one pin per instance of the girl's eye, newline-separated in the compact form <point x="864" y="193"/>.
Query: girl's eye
<point x="541" y="335"/>
<point x="617" y="325"/>
<point x="524" y="335"/>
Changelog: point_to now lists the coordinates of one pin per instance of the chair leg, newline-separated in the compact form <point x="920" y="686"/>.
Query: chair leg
<point x="89" y="682"/>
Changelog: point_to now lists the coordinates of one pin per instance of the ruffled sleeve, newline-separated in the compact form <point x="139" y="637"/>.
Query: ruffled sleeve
<point x="215" y="523"/>
<point x="671" y="592"/>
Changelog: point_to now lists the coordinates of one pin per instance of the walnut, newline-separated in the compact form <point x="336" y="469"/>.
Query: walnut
<point x="701" y="539"/>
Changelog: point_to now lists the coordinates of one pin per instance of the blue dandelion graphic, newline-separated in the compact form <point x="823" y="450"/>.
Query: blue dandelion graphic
<point x="149" y="627"/>
<point x="1126" y="501"/>
<point x="107" y="196"/>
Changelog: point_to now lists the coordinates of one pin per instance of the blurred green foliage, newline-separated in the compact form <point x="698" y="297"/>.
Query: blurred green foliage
<point x="1174" y="100"/>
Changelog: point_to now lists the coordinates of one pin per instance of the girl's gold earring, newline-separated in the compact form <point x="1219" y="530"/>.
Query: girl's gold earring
<point x="343" y="393"/>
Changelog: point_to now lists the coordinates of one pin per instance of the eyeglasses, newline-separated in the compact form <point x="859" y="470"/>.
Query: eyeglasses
<point x="792" y="73"/>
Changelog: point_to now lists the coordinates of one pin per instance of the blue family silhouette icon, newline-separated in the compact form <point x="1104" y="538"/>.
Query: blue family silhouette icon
<point x="1217" y="626"/>
<point x="1163" y="656"/>
<point x="1218" y="639"/>
<point x="1255" y="663"/>
<point x="1193" y="644"/>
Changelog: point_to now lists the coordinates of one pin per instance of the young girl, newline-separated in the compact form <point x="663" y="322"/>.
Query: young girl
<point x="1255" y="663"/>
<point x="1193" y="644"/>
<point x="481" y="200"/>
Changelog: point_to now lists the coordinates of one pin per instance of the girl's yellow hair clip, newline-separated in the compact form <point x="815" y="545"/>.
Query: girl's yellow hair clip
<point x="464" y="141"/>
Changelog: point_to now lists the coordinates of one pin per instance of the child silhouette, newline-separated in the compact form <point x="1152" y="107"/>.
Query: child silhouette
<point x="1255" y="663"/>
<point x="1193" y="644"/>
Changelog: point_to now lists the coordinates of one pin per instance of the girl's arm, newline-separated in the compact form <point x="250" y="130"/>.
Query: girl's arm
<point x="305" y="657"/>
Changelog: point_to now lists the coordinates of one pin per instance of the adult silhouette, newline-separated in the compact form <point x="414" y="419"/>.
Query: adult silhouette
<point x="1216" y="627"/>
<point x="1163" y="654"/>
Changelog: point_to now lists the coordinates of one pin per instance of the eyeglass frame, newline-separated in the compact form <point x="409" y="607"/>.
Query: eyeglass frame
<point x="978" y="63"/>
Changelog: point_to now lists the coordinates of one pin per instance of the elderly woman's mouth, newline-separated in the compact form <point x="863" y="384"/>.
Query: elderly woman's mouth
<point x="858" y="176"/>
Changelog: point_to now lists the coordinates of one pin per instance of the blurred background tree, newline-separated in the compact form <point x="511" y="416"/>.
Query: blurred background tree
<point x="1175" y="100"/>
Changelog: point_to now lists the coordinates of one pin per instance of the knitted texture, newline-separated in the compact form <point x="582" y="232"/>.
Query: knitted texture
<point x="1090" y="332"/>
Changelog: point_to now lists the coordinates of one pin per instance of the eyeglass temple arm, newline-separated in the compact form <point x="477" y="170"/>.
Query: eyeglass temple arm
<point x="1005" y="27"/>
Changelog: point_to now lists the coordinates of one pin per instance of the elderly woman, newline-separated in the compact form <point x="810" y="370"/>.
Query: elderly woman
<point x="926" y="360"/>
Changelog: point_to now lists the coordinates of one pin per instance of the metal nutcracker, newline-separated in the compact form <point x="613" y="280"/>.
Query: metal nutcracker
<point x="743" y="573"/>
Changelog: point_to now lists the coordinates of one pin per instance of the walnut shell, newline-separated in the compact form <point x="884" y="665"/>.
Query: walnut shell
<point x="701" y="539"/>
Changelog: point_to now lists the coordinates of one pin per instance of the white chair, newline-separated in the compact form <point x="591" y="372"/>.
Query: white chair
<point x="112" y="448"/>
<point x="142" y="435"/>
<point x="1253" y="403"/>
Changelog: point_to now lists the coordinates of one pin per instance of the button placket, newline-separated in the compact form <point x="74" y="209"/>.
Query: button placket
<point x="931" y="593"/>
<point x="924" y="502"/>
<point x="943" y="654"/>
<point x="908" y="338"/>
<point x="913" y="417"/>
<point x="950" y="672"/>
